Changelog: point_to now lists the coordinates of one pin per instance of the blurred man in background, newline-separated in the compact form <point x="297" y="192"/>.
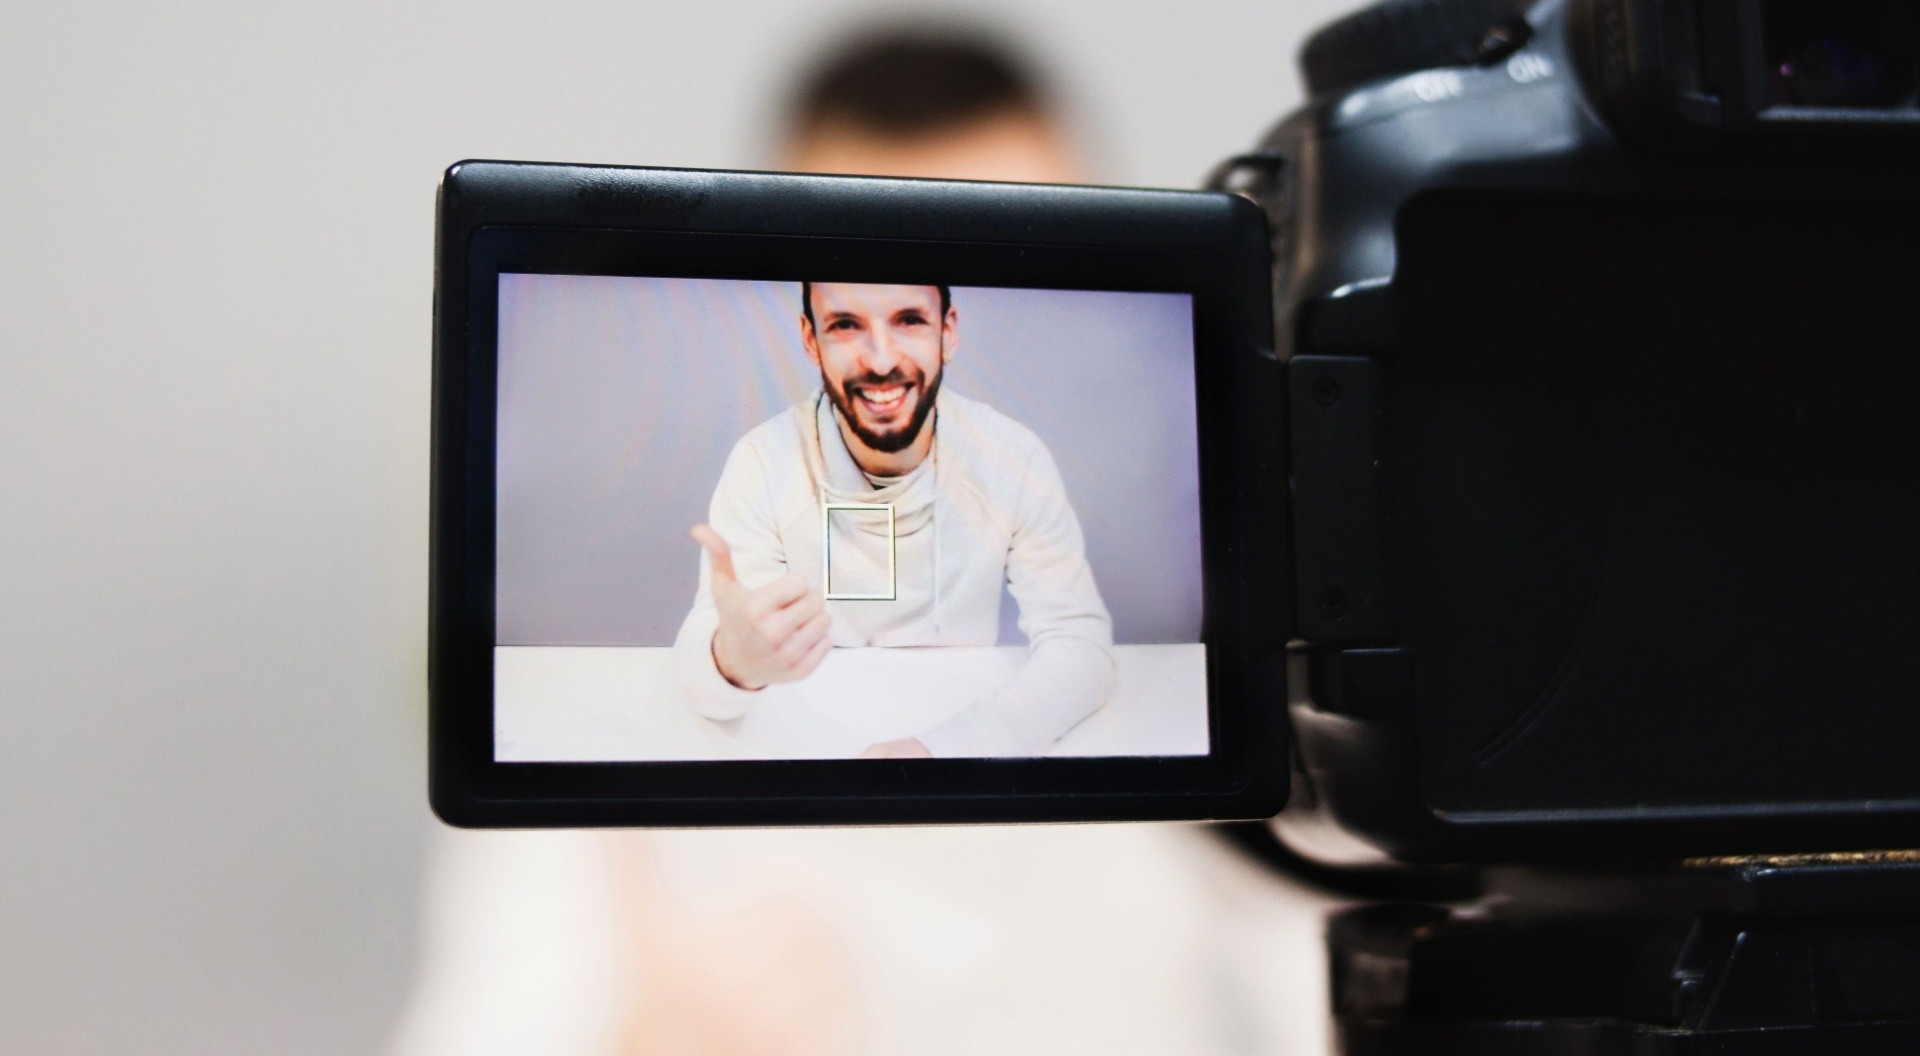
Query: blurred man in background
<point x="1108" y="939"/>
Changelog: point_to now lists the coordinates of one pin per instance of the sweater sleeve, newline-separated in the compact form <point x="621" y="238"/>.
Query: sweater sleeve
<point x="1069" y="670"/>
<point x="742" y="512"/>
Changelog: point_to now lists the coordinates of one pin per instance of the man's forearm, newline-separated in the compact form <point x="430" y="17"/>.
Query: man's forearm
<point x="1064" y="679"/>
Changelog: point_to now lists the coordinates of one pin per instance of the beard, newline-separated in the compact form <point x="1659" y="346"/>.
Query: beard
<point x="887" y="441"/>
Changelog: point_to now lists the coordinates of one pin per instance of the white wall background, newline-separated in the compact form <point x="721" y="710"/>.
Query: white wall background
<point x="216" y="226"/>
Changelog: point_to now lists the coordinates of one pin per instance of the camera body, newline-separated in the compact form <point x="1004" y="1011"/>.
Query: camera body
<point x="1577" y="467"/>
<point x="1601" y="384"/>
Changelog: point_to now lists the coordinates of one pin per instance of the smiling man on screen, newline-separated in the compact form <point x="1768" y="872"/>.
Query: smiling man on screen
<point x="976" y="504"/>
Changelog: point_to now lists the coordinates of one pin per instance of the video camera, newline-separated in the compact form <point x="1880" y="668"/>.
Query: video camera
<point x="1510" y="466"/>
<point x="1567" y="472"/>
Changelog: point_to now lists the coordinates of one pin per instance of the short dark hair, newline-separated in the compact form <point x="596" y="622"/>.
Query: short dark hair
<point x="806" y="302"/>
<point x="908" y="81"/>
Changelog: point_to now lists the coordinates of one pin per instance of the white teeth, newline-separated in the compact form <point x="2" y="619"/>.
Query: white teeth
<point x="883" y="395"/>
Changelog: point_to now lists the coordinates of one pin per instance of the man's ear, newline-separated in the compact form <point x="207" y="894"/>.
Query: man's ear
<point x="949" y="334"/>
<point x="807" y="339"/>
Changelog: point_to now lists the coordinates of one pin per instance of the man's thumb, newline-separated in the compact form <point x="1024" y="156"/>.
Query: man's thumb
<point x="718" y="551"/>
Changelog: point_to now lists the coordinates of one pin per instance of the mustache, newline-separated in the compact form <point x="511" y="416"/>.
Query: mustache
<point x="893" y="377"/>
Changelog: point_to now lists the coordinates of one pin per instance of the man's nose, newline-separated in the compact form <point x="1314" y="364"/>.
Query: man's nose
<point x="883" y="354"/>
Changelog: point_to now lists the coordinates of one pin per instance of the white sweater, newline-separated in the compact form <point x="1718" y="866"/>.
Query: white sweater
<point x="986" y="507"/>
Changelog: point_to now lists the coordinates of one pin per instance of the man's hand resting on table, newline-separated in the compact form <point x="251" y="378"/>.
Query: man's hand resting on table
<point x="768" y="635"/>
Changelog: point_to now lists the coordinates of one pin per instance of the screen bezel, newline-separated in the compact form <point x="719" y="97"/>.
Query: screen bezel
<point x="1241" y="776"/>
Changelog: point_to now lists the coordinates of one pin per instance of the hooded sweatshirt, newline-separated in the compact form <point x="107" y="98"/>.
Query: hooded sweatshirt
<point x="986" y="507"/>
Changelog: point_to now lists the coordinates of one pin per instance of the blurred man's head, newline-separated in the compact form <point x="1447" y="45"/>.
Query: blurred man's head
<point x="928" y="102"/>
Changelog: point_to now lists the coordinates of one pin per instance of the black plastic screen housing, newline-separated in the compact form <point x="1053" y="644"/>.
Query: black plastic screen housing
<point x="571" y="219"/>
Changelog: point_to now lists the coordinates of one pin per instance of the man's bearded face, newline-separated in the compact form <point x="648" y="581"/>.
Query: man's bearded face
<point x="881" y="351"/>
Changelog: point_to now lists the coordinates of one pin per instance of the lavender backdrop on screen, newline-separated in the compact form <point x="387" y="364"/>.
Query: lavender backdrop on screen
<point x="621" y="397"/>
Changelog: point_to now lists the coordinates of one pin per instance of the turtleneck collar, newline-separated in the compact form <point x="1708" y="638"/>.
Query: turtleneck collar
<point x="842" y="479"/>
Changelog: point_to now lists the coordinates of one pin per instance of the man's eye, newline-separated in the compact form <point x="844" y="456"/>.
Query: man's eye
<point x="843" y="324"/>
<point x="913" y="319"/>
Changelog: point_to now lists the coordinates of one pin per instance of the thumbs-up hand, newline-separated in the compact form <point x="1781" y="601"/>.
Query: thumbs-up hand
<point x="767" y="635"/>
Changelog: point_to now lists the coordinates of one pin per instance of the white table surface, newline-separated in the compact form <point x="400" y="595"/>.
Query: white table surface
<point x="619" y="704"/>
